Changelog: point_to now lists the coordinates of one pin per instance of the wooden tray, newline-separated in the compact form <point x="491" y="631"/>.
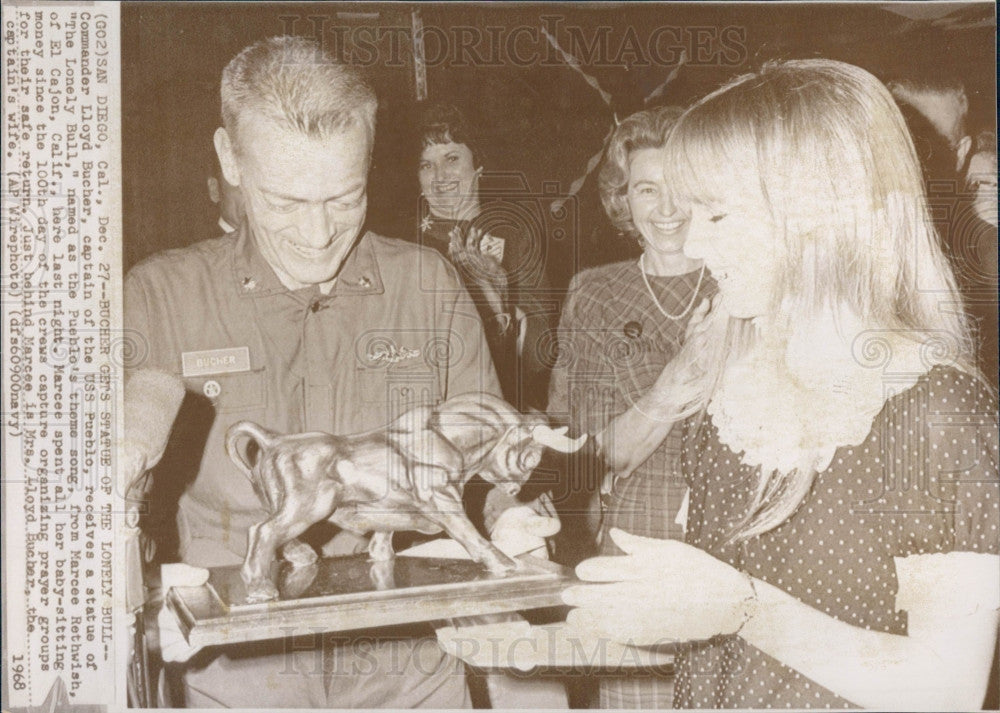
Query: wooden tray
<point x="348" y="593"/>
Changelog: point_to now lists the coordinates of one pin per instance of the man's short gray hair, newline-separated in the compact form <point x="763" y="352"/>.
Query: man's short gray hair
<point x="294" y="82"/>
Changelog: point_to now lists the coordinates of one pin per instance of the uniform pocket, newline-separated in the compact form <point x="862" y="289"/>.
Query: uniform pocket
<point x="243" y="391"/>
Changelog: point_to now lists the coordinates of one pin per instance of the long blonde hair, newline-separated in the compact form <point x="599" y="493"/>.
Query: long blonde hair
<point x="837" y="167"/>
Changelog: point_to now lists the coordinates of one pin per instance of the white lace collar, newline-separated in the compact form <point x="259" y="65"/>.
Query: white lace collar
<point x="800" y="394"/>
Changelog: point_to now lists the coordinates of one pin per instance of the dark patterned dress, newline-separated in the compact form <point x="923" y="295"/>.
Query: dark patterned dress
<point x="613" y="344"/>
<point x="924" y="481"/>
<point x="517" y="351"/>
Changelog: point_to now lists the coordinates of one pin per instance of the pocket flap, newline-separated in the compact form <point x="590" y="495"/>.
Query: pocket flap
<point x="242" y="391"/>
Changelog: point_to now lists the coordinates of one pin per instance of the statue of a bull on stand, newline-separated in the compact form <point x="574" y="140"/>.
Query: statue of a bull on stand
<point x="406" y="476"/>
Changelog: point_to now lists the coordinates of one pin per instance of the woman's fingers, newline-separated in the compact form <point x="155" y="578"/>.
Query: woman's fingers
<point x="463" y="248"/>
<point x="473" y="239"/>
<point x="614" y="569"/>
<point x="470" y="249"/>
<point x="701" y="310"/>
<point x="709" y="312"/>
<point x="646" y="558"/>
<point x="637" y="544"/>
<point x="482" y="270"/>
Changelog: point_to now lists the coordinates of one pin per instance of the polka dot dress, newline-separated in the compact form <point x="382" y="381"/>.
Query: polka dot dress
<point x="613" y="344"/>
<point x="925" y="480"/>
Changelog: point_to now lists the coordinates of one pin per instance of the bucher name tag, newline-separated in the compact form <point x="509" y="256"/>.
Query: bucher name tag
<point x="215" y="361"/>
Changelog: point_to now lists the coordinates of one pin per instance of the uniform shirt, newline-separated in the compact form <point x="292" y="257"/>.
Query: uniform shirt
<point x="396" y="330"/>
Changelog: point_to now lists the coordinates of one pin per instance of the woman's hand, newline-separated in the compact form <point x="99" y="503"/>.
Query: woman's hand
<point x="682" y="380"/>
<point x="632" y="436"/>
<point x="660" y="592"/>
<point x="520" y="529"/>
<point x="480" y="269"/>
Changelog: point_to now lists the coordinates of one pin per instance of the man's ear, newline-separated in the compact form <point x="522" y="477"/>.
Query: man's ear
<point x="214" y="193"/>
<point x="227" y="156"/>
<point x="962" y="152"/>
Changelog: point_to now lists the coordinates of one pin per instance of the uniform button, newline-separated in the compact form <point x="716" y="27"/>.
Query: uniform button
<point x="211" y="389"/>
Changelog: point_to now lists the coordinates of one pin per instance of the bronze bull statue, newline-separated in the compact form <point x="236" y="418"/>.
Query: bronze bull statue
<point x="407" y="476"/>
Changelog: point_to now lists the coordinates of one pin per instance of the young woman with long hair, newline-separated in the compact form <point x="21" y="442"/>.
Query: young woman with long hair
<point x="840" y="447"/>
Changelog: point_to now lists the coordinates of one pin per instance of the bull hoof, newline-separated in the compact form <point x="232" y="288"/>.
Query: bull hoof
<point x="296" y="581"/>
<point x="299" y="554"/>
<point x="261" y="591"/>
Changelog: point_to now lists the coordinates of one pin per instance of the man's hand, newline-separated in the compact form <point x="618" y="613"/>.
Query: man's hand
<point x="660" y="592"/>
<point x="173" y="646"/>
<point x="520" y="529"/>
<point x="152" y="400"/>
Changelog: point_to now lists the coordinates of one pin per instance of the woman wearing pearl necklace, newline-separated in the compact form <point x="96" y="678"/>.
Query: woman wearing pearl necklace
<point x="622" y="323"/>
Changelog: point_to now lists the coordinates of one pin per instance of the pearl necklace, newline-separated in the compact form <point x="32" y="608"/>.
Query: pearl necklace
<point x="694" y="295"/>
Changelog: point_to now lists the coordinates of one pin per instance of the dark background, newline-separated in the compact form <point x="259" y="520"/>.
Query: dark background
<point x="542" y="120"/>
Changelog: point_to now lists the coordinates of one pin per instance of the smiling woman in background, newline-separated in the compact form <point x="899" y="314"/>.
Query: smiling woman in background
<point x="842" y="537"/>
<point x="621" y="325"/>
<point x="498" y="254"/>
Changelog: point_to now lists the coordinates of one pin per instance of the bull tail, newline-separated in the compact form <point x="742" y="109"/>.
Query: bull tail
<point x="262" y="438"/>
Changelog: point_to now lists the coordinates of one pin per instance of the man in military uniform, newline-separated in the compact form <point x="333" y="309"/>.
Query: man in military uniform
<point x="299" y="320"/>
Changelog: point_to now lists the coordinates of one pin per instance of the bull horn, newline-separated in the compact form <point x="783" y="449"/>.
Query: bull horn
<point x="556" y="439"/>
